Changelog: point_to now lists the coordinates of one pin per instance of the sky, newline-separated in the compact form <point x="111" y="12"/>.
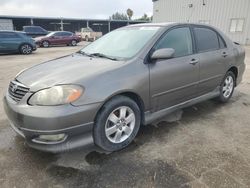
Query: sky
<point x="100" y="9"/>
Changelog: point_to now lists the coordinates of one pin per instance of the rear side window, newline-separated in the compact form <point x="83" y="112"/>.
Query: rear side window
<point x="9" y="35"/>
<point x="67" y="34"/>
<point x="58" y="34"/>
<point x="206" y="39"/>
<point x="179" y="39"/>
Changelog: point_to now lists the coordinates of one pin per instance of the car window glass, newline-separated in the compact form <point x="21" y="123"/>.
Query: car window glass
<point x="57" y="34"/>
<point x="206" y="39"/>
<point x="9" y="35"/>
<point x="66" y="34"/>
<point x="222" y="43"/>
<point x="179" y="39"/>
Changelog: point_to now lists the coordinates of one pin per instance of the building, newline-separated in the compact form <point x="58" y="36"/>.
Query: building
<point x="230" y="16"/>
<point x="66" y="24"/>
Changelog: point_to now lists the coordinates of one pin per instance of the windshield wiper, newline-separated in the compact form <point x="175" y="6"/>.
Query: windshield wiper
<point x="104" y="56"/>
<point x="84" y="53"/>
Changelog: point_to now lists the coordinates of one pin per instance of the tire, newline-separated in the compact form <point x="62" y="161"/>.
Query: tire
<point x="45" y="44"/>
<point x="87" y="38"/>
<point x="117" y="124"/>
<point x="73" y="43"/>
<point x="25" y="49"/>
<point x="227" y="87"/>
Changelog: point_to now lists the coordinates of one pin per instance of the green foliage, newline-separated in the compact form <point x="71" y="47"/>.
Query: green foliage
<point x="118" y="16"/>
<point x="145" y="18"/>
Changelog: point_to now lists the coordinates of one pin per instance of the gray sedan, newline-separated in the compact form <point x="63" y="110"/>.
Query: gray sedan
<point x="130" y="77"/>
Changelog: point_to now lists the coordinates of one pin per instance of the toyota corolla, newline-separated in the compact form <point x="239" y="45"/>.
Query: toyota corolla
<point x="130" y="77"/>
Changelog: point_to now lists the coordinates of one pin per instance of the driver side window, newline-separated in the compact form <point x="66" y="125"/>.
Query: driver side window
<point x="179" y="39"/>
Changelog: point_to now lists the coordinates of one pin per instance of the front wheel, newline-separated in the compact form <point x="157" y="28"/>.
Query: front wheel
<point x="26" y="49"/>
<point x="45" y="44"/>
<point x="227" y="87"/>
<point x="117" y="124"/>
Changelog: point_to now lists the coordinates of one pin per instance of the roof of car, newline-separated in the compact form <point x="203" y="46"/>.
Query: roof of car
<point x="9" y="31"/>
<point x="165" y="24"/>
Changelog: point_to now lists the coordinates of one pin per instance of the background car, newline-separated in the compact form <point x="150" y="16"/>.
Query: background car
<point x="13" y="41"/>
<point x="35" y="31"/>
<point x="88" y="34"/>
<point x="58" y="38"/>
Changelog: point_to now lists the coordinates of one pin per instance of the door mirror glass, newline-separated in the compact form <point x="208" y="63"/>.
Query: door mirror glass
<point x="164" y="53"/>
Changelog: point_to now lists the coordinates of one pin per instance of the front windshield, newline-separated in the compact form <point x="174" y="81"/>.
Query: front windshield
<point x="122" y="43"/>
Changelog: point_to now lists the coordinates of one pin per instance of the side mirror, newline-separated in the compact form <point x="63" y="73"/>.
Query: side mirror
<point x="164" y="53"/>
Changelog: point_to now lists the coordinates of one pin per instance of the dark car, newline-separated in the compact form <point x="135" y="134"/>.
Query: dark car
<point x="130" y="77"/>
<point x="13" y="42"/>
<point x="35" y="31"/>
<point x="58" y="38"/>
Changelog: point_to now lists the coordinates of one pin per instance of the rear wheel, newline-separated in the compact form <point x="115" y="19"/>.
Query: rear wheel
<point x="117" y="124"/>
<point x="73" y="43"/>
<point x="86" y="38"/>
<point x="26" y="49"/>
<point x="227" y="87"/>
<point x="45" y="44"/>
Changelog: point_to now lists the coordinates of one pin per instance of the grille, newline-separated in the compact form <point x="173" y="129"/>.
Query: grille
<point x="17" y="90"/>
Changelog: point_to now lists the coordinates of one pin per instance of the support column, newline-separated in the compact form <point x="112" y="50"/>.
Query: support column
<point x="109" y="26"/>
<point x="31" y="21"/>
<point x="87" y="23"/>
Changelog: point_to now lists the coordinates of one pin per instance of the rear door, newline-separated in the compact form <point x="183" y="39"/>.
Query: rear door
<point x="212" y="53"/>
<point x="66" y="37"/>
<point x="56" y="39"/>
<point x="10" y="41"/>
<point x="175" y="80"/>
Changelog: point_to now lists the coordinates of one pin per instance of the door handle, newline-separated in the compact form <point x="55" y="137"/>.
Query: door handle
<point x="194" y="62"/>
<point x="224" y="54"/>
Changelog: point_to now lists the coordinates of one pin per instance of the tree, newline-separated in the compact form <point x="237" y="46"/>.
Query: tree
<point x="130" y="13"/>
<point x="118" y="16"/>
<point x="145" y="18"/>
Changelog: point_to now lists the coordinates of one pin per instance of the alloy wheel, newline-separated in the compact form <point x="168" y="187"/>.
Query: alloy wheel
<point x="26" y="49"/>
<point x="228" y="86"/>
<point x="120" y="124"/>
<point x="45" y="44"/>
<point x="73" y="43"/>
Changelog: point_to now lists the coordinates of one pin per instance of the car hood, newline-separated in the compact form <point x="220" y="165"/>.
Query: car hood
<point x="70" y="69"/>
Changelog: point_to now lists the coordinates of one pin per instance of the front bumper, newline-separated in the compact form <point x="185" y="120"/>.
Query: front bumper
<point x="33" y="121"/>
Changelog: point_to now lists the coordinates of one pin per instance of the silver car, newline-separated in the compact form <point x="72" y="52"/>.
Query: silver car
<point x="130" y="77"/>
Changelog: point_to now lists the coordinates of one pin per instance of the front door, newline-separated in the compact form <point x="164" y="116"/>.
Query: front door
<point x="174" y="80"/>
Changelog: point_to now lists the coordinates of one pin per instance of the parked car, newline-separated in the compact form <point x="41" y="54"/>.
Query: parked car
<point x="34" y="31"/>
<point x="58" y="38"/>
<point x="130" y="77"/>
<point x="88" y="34"/>
<point x="16" y="42"/>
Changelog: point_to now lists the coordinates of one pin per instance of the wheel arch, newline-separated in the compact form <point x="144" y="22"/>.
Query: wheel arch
<point x="235" y="71"/>
<point x="133" y="96"/>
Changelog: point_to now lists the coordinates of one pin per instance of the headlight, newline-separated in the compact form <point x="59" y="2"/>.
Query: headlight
<point x="57" y="95"/>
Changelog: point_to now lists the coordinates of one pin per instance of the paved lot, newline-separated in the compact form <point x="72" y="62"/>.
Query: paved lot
<point x="208" y="147"/>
